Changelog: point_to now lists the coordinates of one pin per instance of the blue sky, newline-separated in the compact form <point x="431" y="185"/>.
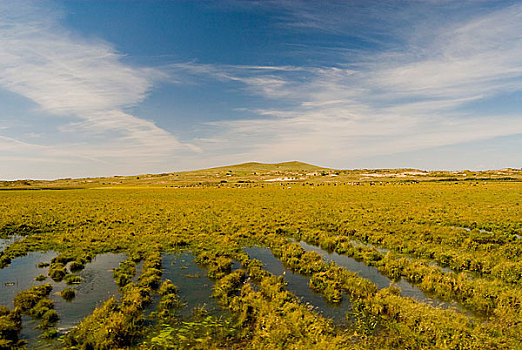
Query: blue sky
<point x="95" y="88"/>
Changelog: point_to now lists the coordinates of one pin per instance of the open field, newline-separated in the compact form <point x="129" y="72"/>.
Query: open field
<point x="264" y="256"/>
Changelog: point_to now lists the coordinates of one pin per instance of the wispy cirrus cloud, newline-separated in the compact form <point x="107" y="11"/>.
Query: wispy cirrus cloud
<point x="379" y="79"/>
<point x="479" y="58"/>
<point x="415" y="96"/>
<point x="82" y="80"/>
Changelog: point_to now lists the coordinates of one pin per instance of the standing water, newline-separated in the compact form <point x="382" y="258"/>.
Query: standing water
<point x="97" y="285"/>
<point x="371" y="273"/>
<point x="194" y="287"/>
<point x="20" y="275"/>
<point x="299" y="285"/>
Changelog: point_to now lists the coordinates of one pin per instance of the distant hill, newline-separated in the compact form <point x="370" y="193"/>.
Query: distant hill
<point x="293" y="166"/>
<point x="265" y="173"/>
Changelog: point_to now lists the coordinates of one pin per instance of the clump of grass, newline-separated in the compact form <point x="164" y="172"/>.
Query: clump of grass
<point x="10" y="326"/>
<point x="57" y="272"/>
<point x="40" y="278"/>
<point x="76" y="266"/>
<point x="28" y="299"/>
<point x="50" y="333"/>
<point x="41" y="308"/>
<point x="34" y="302"/>
<point x="68" y="294"/>
<point x="167" y="287"/>
<point x="4" y="260"/>
<point x="169" y="299"/>
<point x="72" y="279"/>
<point x="125" y="272"/>
<point x="49" y="318"/>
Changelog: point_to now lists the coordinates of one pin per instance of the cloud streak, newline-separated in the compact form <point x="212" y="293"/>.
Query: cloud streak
<point x="403" y="77"/>
<point x="413" y="97"/>
<point x="83" y="80"/>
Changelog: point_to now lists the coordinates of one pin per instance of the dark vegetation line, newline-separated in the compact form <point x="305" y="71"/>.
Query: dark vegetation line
<point x="453" y="179"/>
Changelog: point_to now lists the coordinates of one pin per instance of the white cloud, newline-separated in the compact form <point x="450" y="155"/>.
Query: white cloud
<point x="396" y="101"/>
<point x="81" y="79"/>
<point x="481" y="56"/>
<point x="403" y="94"/>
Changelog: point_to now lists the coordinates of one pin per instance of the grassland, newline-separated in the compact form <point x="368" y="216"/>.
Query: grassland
<point x="454" y="235"/>
<point x="260" y="173"/>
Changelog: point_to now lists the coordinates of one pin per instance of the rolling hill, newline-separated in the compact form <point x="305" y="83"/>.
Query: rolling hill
<point x="265" y="173"/>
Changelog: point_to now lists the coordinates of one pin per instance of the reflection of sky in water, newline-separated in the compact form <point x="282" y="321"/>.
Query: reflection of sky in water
<point x="21" y="273"/>
<point x="299" y="285"/>
<point x="194" y="287"/>
<point x="383" y="251"/>
<point x="372" y="273"/>
<point x="97" y="286"/>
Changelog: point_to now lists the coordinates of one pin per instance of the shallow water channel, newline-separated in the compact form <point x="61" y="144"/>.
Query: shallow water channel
<point x="97" y="285"/>
<point x="20" y="274"/>
<point x="299" y="285"/>
<point x="194" y="286"/>
<point x="372" y="273"/>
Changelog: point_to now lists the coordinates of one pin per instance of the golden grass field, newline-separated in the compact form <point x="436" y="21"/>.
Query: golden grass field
<point x="453" y="236"/>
